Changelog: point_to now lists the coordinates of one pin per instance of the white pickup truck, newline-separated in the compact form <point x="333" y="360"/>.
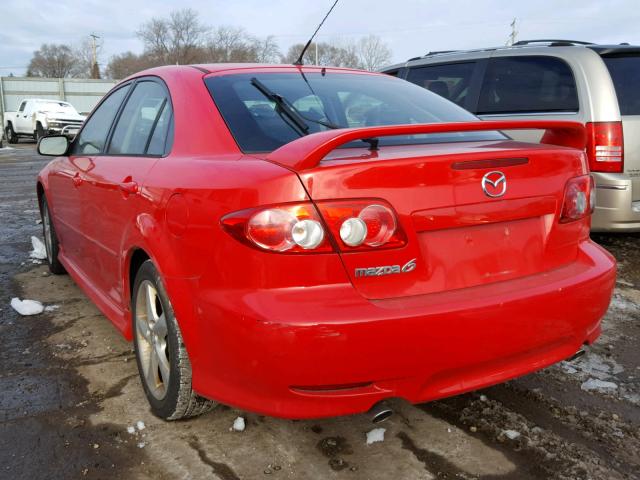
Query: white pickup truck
<point x="37" y="118"/>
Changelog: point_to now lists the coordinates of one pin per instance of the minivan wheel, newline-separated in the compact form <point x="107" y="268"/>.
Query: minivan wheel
<point x="163" y="363"/>
<point x="50" y="240"/>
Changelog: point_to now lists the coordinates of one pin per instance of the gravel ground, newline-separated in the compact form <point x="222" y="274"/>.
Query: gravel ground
<point x="70" y="397"/>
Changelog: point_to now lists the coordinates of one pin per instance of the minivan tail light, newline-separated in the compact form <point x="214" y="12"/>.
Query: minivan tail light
<point x="578" y="200"/>
<point x="605" y="147"/>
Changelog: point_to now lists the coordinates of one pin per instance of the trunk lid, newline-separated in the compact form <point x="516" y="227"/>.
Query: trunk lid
<point x="458" y="236"/>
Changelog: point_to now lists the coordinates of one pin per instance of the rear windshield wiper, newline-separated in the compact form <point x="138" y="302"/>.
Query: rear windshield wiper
<point x="282" y="106"/>
<point x="299" y="120"/>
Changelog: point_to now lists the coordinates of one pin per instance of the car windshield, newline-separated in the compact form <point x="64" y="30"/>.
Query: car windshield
<point x="261" y="122"/>
<point x="56" y="107"/>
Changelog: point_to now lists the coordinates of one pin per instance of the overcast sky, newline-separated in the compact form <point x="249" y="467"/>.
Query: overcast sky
<point x="410" y="27"/>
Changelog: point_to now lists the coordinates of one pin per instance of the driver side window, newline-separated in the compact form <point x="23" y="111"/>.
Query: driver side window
<point x="93" y="136"/>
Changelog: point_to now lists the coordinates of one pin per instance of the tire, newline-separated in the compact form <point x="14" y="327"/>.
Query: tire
<point x="50" y="240"/>
<point x="11" y="135"/>
<point x="163" y="363"/>
<point x="39" y="133"/>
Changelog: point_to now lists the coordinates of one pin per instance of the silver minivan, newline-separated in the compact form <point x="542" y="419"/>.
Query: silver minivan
<point x="597" y="85"/>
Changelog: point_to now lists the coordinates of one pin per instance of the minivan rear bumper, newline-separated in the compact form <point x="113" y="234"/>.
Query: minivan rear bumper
<point x="327" y="351"/>
<point x="616" y="210"/>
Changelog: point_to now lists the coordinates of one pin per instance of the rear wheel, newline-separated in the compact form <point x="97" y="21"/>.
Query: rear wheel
<point x="11" y="134"/>
<point x="163" y="363"/>
<point x="50" y="240"/>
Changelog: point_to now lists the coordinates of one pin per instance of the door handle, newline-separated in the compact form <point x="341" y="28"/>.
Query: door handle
<point x="77" y="180"/>
<point x="129" y="188"/>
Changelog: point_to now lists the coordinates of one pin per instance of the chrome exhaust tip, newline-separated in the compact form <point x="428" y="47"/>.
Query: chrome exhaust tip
<point x="380" y="412"/>
<point x="576" y="355"/>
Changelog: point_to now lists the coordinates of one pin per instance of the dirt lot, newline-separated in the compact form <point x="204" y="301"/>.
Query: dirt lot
<point x="69" y="390"/>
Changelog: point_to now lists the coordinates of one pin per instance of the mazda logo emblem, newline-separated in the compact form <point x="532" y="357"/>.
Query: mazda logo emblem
<point x="494" y="184"/>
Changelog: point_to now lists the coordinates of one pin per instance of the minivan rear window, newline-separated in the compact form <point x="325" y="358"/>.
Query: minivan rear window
<point x="625" y="73"/>
<point x="531" y="84"/>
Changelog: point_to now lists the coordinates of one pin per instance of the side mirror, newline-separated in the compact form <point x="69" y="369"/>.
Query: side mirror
<point x="53" y="146"/>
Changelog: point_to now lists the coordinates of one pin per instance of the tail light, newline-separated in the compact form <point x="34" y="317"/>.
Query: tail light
<point x="605" y="147"/>
<point x="298" y="228"/>
<point x="579" y="199"/>
<point x="291" y="228"/>
<point x="362" y="224"/>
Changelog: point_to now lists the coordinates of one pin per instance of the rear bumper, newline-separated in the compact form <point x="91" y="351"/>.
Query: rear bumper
<point x="326" y="351"/>
<point x="616" y="211"/>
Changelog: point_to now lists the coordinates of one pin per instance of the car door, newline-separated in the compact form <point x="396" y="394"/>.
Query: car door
<point x="112" y="194"/>
<point x="68" y="181"/>
<point x="23" y="119"/>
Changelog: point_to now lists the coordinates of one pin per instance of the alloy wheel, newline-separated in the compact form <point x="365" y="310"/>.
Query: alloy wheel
<point x="151" y="332"/>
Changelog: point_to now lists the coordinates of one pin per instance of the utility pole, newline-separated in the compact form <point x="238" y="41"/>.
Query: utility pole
<point x="514" y="33"/>
<point x="95" y="71"/>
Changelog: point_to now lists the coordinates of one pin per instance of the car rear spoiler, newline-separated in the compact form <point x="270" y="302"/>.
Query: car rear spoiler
<point x="308" y="151"/>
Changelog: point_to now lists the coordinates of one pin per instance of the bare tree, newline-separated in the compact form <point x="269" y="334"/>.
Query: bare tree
<point x="329" y="54"/>
<point x="53" y="61"/>
<point x="178" y="39"/>
<point x="84" y="53"/>
<point x="267" y="50"/>
<point x="125" y="64"/>
<point x="231" y="44"/>
<point x="372" y="53"/>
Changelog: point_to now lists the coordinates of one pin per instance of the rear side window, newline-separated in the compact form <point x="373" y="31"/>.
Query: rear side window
<point x="147" y="109"/>
<point x="625" y="73"/>
<point x="528" y="85"/>
<point x="93" y="136"/>
<point x="450" y="81"/>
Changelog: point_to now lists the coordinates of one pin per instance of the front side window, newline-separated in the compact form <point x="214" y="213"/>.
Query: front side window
<point x="528" y="85"/>
<point x="142" y="114"/>
<point x="22" y="105"/>
<point x="450" y="81"/>
<point x="92" y="138"/>
<point x="327" y="101"/>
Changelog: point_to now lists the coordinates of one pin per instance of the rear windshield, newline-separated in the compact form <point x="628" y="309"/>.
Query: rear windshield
<point x="625" y="73"/>
<point x="325" y="101"/>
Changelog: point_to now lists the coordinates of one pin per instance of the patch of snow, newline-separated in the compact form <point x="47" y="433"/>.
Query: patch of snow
<point x="26" y="307"/>
<point x="131" y="430"/>
<point x="51" y="308"/>
<point x="593" y="365"/>
<point x="39" y="251"/>
<point x="141" y="445"/>
<point x="593" y="384"/>
<point x="239" y="425"/>
<point x="511" y="434"/>
<point x="6" y="148"/>
<point x="483" y="398"/>
<point x="375" y="435"/>
<point x="140" y="425"/>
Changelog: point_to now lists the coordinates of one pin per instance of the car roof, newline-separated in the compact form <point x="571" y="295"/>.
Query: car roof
<point x="210" y="68"/>
<point x="530" y="46"/>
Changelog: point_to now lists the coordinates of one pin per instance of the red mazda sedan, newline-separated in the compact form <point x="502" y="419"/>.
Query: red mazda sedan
<point x="306" y="242"/>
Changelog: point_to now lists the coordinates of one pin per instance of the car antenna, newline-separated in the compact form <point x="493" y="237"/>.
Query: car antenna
<point x="306" y="47"/>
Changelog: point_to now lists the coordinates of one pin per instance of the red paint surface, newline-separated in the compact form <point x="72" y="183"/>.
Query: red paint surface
<point x="501" y="288"/>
